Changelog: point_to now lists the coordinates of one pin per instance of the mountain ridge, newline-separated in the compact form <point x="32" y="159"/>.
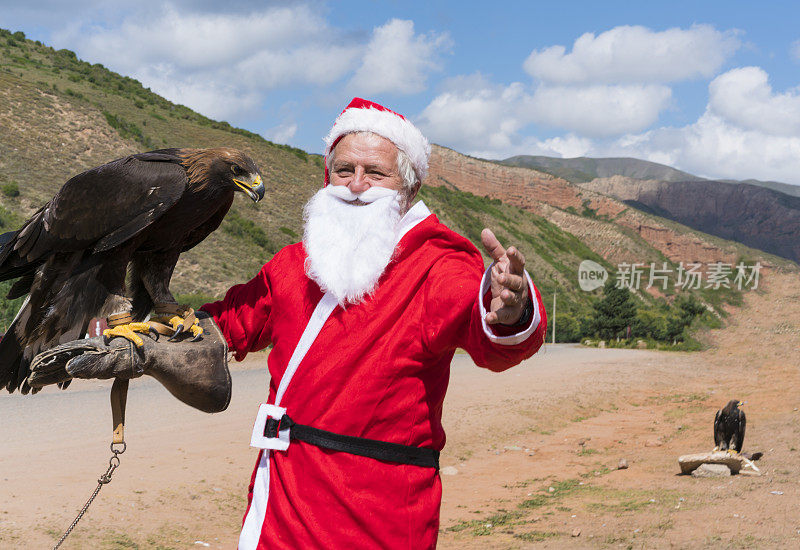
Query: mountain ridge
<point x="756" y="216"/>
<point x="585" y="169"/>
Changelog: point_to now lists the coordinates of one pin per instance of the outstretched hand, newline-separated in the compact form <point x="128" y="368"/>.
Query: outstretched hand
<point x="509" y="287"/>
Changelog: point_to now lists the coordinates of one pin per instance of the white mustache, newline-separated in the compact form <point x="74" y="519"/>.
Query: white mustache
<point x="372" y="194"/>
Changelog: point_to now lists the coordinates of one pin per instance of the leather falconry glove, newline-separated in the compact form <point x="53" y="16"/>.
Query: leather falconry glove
<point x="194" y="372"/>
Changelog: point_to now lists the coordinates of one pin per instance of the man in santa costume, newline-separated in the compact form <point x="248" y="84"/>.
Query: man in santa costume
<point x="364" y="317"/>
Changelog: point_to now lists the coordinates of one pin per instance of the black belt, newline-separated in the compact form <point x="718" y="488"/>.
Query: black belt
<point x="379" y="450"/>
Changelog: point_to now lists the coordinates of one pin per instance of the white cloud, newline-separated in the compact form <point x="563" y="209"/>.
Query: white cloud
<point x="597" y="111"/>
<point x="194" y="41"/>
<point x="210" y="96"/>
<point x="398" y="61"/>
<point x="715" y="147"/>
<point x="282" y="133"/>
<point x="487" y="121"/>
<point x="745" y="98"/>
<point x="315" y="65"/>
<point x="221" y="64"/>
<point x="474" y="115"/>
<point x="635" y="54"/>
<point x="470" y="119"/>
<point x="747" y="131"/>
<point x="568" y="146"/>
<point x="611" y="84"/>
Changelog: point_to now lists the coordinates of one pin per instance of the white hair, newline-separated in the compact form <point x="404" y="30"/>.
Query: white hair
<point x="404" y="166"/>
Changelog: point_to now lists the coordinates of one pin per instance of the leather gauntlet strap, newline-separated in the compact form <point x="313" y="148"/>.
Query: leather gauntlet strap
<point x="164" y="310"/>
<point x="119" y="398"/>
<point x="118" y="319"/>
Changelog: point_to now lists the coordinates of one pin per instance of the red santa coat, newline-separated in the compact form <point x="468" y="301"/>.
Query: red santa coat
<point x="377" y="370"/>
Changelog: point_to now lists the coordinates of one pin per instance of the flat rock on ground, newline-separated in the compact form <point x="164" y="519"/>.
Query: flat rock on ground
<point x="711" y="470"/>
<point x="689" y="463"/>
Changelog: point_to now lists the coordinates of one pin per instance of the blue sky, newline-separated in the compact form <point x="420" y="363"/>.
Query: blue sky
<point x="708" y="87"/>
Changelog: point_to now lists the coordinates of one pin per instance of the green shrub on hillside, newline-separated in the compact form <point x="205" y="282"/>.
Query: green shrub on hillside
<point x="650" y="323"/>
<point x="568" y="328"/>
<point x="238" y="226"/>
<point x="195" y="300"/>
<point x="9" y="220"/>
<point x="128" y="129"/>
<point x="10" y="189"/>
<point x="615" y="312"/>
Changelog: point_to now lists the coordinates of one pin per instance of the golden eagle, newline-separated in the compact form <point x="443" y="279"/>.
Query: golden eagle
<point x="729" y="425"/>
<point x="134" y="216"/>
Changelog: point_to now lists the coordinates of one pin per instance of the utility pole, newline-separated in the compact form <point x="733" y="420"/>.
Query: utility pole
<point x="554" y="315"/>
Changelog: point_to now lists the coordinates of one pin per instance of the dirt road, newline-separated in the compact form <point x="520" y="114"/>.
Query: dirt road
<point x="530" y="461"/>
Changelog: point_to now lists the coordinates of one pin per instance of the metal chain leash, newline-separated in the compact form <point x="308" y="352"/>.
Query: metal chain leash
<point x="113" y="463"/>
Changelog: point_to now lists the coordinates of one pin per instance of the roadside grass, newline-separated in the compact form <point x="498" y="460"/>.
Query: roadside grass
<point x="220" y="506"/>
<point x="678" y="413"/>
<point x="487" y="525"/>
<point x="537" y="536"/>
<point x="10" y="538"/>
<point x="683" y="397"/>
<point x="115" y="540"/>
<point x="566" y="496"/>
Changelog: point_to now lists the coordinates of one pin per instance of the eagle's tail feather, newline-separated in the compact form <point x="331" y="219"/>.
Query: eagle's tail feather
<point x="21" y="286"/>
<point x="11" y="358"/>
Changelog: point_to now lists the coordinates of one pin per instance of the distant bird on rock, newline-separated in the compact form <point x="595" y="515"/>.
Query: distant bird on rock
<point x="729" y="425"/>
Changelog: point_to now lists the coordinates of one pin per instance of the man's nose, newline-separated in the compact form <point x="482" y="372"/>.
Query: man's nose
<point x="359" y="182"/>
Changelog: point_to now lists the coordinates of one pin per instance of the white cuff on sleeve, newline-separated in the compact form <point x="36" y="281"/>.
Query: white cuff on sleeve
<point x="513" y="339"/>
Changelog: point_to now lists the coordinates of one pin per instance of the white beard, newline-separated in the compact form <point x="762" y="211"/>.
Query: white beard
<point x="349" y="246"/>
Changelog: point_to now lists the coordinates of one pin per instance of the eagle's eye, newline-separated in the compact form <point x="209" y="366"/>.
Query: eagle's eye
<point x="237" y="171"/>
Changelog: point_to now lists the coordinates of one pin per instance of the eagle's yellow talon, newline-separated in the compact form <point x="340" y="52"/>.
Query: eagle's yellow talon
<point x="175" y="322"/>
<point x="127" y="331"/>
<point x="180" y="319"/>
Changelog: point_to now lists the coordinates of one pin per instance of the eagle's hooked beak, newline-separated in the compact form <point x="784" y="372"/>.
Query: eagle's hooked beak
<point x="741" y="403"/>
<point x="255" y="188"/>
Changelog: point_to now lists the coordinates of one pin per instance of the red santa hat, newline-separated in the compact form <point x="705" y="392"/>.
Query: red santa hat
<point x="362" y="115"/>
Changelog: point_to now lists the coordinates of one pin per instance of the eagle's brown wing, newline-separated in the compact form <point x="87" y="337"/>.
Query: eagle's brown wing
<point x="63" y="247"/>
<point x="740" y="428"/>
<point x="719" y="429"/>
<point x="99" y="209"/>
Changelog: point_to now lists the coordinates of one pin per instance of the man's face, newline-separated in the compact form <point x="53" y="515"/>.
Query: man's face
<point x="362" y="161"/>
<point x="351" y="225"/>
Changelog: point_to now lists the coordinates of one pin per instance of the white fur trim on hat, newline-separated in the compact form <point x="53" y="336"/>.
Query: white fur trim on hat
<point x="388" y="124"/>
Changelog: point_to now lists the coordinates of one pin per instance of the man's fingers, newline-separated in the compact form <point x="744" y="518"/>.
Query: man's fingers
<point x="516" y="259"/>
<point x="492" y="245"/>
<point x="503" y="315"/>
<point x="512" y="282"/>
<point x="511" y="298"/>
